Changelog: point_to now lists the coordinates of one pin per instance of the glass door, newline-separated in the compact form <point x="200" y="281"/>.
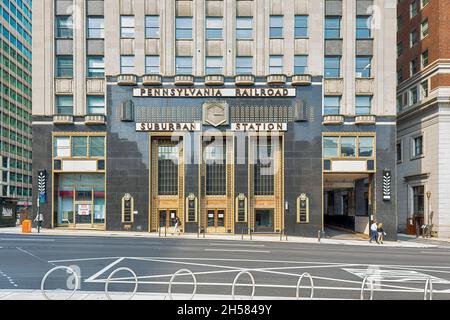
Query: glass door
<point x="167" y="218"/>
<point x="264" y="220"/>
<point x="84" y="205"/>
<point x="216" y="220"/>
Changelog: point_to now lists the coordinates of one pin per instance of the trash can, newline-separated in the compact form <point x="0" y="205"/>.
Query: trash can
<point x="26" y="226"/>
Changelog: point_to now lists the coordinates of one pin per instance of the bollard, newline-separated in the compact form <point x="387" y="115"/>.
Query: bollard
<point x="242" y="233"/>
<point x="159" y="231"/>
<point x="203" y="230"/>
<point x="281" y="235"/>
<point x="251" y="234"/>
<point x="286" y="234"/>
<point x="165" y="231"/>
<point x="198" y="232"/>
<point x="318" y="235"/>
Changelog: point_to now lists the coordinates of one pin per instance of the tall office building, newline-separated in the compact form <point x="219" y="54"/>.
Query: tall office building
<point x="235" y="116"/>
<point x="423" y="103"/>
<point x="15" y="101"/>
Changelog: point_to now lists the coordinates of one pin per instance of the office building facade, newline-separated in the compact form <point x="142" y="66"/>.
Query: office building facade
<point x="423" y="102"/>
<point x="15" y="102"/>
<point x="268" y="116"/>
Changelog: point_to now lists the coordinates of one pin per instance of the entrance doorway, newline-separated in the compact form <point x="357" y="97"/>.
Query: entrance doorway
<point x="264" y="220"/>
<point x="216" y="220"/>
<point x="167" y="218"/>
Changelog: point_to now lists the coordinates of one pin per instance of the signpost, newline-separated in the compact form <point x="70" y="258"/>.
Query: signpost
<point x="42" y="197"/>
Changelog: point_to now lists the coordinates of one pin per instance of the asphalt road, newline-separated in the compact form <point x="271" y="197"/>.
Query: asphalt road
<point x="337" y="270"/>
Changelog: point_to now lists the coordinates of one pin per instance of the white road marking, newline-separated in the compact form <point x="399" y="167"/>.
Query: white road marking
<point x="236" y="245"/>
<point x="27" y="239"/>
<point x="34" y="256"/>
<point x="436" y="252"/>
<point x="237" y="250"/>
<point x="109" y="266"/>
<point x="84" y="259"/>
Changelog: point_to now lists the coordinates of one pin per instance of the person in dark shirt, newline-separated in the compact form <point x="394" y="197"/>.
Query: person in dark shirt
<point x="381" y="233"/>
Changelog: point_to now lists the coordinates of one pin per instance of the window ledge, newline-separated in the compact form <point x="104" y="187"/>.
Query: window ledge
<point x="301" y="80"/>
<point x="245" y="80"/>
<point x="365" y="119"/>
<point x="151" y="80"/>
<point x="95" y="119"/>
<point x="184" y="80"/>
<point x="417" y="157"/>
<point x="126" y="80"/>
<point x="276" y="79"/>
<point x="214" y="80"/>
<point x="333" y="120"/>
<point x="62" y="119"/>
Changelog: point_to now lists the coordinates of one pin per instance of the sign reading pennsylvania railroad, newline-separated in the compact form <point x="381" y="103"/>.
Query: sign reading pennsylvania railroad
<point x="214" y="92"/>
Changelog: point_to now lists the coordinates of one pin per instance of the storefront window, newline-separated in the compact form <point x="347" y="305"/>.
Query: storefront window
<point x="80" y="199"/>
<point x="330" y="147"/>
<point x="365" y="148"/>
<point x="62" y="147"/>
<point x="348" y="146"/>
<point x="79" y="146"/>
<point x="97" y="146"/>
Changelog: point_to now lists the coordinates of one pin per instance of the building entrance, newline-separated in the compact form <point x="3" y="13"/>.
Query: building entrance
<point x="264" y="220"/>
<point x="216" y="220"/>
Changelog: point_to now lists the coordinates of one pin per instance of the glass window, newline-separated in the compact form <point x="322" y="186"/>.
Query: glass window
<point x="96" y="27"/>
<point x="332" y="27"/>
<point x="96" y="66"/>
<point x="64" y="27"/>
<point x="167" y="170"/>
<point x="424" y="28"/>
<point x="363" y="66"/>
<point x="301" y="26"/>
<point x="413" y="37"/>
<point x="79" y="146"/>
<point x="330" y="147"/>
<point x="127" y="64"/>
<point x="418" y="196"/>
<point x="363" y="105"/>
<point x="99" y="205"/>
<point x="332" y="67"/>
<point x="96" y="146"/>
<point x="244" y="65"/>
<point x="348" y="147"/>
<point x="152" y="65"/>
<point x="214" y="28"/>
<point x="264" y="169"/>
<point x="96" y="104"/>
<point x="276" y="26"/>
<point x="413" y="8"/>
<point x="399" y="49"/>
<point x="424" y="2"/>
<point x="301" y="64"/>
<point x="424" y="89"/>
<point x="215" y="168"/>
<point x="413" y="97"/>
<point x="64" y="105"/>
<point x="127" y="26"/>
<point x="61" y="147"/>
<point x="363" y="27"/>
<point x="214" y="65"/>
<point x="399" y="152"/>
<point x="184" y="65"/>
<point x="365" y="146"/>
<point x="183" y="27"/>
<point x="276" y="64"/>
<point x="424" y="58"/>
<point x="64" y="66"/>
<point x="418" y="146"/>
<point x="244" y="29"/>
<point x="331" y="105"/>
<point x="152" y="27"/>
<point x="414" y="66"/>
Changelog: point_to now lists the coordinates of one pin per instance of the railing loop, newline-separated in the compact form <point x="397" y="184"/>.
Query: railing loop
<point x="297" y="292"/>
<point x="363" y="286"/>
<point x="182" y="272"/>
<point x="235" y="280"/>
<point x="69" y="270"/>
<point x="428" y="289"/>
<point x="113" y="273"/>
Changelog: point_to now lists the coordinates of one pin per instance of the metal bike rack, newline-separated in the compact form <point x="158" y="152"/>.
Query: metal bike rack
<point x="297" y="291"/>
<point x="237" y="277"/>
<point x="183" y="272"/>
<point x="77" y="281"/>
<point x="363" y="287"/>
<point x="113" y="273"/>
<point x="428" y="289"/>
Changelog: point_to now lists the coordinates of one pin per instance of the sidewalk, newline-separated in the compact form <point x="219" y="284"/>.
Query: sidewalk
<point x="355" y="241"/>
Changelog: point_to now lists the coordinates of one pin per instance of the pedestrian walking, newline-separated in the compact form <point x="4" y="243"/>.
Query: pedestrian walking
<point x="381" y="233"/>
<point x="177" y="226"/>
<point x="373" y="232"/>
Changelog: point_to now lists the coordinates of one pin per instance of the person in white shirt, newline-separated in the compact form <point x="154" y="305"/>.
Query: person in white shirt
<point x="373" y="232"/>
